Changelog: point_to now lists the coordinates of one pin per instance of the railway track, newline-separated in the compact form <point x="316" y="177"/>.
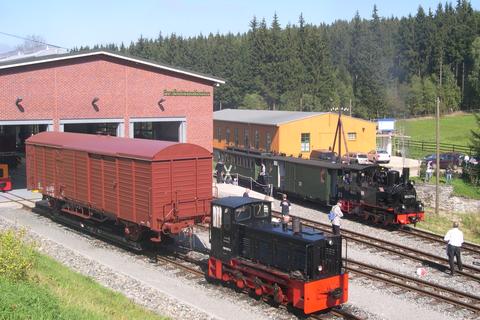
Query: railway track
<point x="468" y="248"/>
<point x="440" y="263"/>
<point x="454" y="297"/>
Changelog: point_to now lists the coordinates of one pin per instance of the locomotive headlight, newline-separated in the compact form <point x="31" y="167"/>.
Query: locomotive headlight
<point x="403" y="207"/>
<point x="330" y="242"/>
<point x="320" y="268"/>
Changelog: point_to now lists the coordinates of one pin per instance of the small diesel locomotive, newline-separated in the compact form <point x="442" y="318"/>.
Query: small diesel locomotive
<point x="297" y="267"/>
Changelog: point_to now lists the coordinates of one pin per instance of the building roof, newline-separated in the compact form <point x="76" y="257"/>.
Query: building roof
<point x="117" y="55"/>
<point x="143" y="149"/>
<point x="266" y="117"/>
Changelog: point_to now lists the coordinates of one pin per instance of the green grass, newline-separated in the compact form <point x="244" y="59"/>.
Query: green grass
<point x="460" y="187"/>
<point x="52" y="291"/>
<point x="469" y="224"/>
<point x="454" y="129"/>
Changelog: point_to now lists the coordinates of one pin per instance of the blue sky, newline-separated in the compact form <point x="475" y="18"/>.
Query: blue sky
<point x="88" y="22"/>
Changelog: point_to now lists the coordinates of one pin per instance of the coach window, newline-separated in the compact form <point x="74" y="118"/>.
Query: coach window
<point x="235" y="136"/>
<point x="257" y="140"/>
<point x="219" y="134"/>
<point x="227" y="135"/>
<point x="246" y="141"/>
<point x="352" y="136"/>
<point x="268" y="142"/>
<point x="305" y="142"/>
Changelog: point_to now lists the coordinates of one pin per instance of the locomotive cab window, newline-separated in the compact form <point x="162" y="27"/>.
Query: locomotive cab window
<point x="260" y="211"/>
<point x="2" y="174"/>
<point x="243" y="214"/>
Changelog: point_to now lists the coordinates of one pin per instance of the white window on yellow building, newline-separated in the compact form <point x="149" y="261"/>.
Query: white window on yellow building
<point x="235" y="136"/>
<point x="305" y="142"/>
<point x="257" y="140"/>
<point x="227" y="135"/>
<point x="352" y="136"/>
<point x="268" y="142"/>
<point x="246" y="141"/>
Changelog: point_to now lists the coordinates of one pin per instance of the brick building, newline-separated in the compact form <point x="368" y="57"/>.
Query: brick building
<point x="104" y="92"/>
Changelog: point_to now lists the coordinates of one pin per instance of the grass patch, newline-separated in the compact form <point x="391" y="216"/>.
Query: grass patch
<point x="52" y="291"/>
<point x="469" y="224"/>
<point x="454" y="129"/>
<point x="460" y="187"/>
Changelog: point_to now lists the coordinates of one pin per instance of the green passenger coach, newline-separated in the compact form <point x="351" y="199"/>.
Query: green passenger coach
<point x="309" y="179"/>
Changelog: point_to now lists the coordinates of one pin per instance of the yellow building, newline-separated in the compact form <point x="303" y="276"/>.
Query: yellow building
<point x="289" y="132"/>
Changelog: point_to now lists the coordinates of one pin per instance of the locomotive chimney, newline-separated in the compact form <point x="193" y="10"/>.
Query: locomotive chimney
<point x="405" y="174"/>
<point x="296" y="225"/>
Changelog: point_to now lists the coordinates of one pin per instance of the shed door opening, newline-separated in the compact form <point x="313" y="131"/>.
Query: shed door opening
<point x="12" y="149"/>
<point x="108" y="129"/>
<point x="167" y="131"/>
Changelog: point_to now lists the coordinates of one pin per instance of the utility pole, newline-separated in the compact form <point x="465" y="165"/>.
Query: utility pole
<point x="350" y="105"/>
<point x="437" y="140"/>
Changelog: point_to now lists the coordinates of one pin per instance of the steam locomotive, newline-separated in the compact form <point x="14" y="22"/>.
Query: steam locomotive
<point x="299" y="267"/>
<point x="370" y="191"/>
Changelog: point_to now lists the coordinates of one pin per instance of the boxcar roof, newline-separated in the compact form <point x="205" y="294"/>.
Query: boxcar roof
<point x="150" y="150"/>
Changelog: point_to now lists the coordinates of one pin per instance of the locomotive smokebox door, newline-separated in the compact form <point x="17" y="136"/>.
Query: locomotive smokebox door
<point x="221" y="232"/>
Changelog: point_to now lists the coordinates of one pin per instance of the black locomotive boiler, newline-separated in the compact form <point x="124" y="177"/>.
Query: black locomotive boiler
<point x="298" y="266"/>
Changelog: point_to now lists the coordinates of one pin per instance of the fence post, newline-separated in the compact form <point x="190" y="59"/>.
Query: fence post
<point x="422" y="145"/>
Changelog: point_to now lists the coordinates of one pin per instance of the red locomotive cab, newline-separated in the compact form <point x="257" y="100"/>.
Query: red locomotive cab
<point x="5" y="182"/>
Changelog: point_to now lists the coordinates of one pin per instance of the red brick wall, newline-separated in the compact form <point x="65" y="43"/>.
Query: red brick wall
<point x="65" y="90"/>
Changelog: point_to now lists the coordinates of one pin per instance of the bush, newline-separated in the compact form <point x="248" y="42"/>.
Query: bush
<point x="16" y="256"/>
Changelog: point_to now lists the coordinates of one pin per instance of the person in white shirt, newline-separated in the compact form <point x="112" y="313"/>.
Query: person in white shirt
<point x="336" y="220"/>
<point x="454" y="237"/>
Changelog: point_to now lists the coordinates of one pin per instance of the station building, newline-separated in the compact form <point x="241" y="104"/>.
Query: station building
<point x="289" y="132"/>
<point x="102" y="92"/>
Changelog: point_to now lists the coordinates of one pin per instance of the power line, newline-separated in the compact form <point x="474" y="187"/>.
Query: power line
<point x="32" y="40"/>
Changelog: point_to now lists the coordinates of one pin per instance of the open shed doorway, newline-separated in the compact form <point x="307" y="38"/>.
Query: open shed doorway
<point x="165" y="130"/>
<point x="108" y="129"/>
<point x="12" y="150"/>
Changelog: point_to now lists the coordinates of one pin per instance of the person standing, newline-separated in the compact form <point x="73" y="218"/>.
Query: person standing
<point x="262" y="174"/>
<point x="246" y="193"/>
<point x="337" y="214"/>
<point x="219" y="170"/>
<point x="285" y="206"/>
<point x="429" y="171"/>
<point x="454" y="237"/>
<point x="448" y="174"/>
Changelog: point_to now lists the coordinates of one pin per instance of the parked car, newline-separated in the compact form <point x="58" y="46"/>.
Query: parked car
<point x="355" y="157"/>
<point x="326" y="155"/>
<point x="378" y="156"/>
<point x="454" y="159"/>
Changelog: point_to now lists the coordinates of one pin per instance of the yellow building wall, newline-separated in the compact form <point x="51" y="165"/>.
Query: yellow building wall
<point x="287" y="137"/>
<point x="322" y="132"/>
<point x="261" y="129"/>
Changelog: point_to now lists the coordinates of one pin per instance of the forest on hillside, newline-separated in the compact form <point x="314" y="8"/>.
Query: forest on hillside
<point x="381" y="67"/>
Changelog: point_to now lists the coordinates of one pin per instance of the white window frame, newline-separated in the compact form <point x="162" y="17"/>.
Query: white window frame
<point x="304" y="146"/>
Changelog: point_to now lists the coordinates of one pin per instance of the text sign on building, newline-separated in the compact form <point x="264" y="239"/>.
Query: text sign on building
<point x="185" y="93"/>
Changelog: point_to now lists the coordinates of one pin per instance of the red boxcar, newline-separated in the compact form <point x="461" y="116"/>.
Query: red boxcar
<point x="158" y="186"/>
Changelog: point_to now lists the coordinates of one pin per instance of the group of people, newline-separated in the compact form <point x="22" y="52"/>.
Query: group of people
<point x="429" y="172"/>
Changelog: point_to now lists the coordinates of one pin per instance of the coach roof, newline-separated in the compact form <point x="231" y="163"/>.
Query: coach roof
<point x="121" y="56"/>
<point x="142" y="149"/>
<point x="267" y="117"/>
